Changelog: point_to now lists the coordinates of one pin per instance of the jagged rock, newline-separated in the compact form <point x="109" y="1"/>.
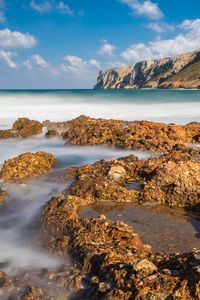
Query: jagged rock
<point x="117" y="77"/>
<point x="23" y="127"/>
<point x="7" y="134"/>
<point x="130" y="135"/>
<point x="171" y="179"/>
<point x="27" y="165"/>
<point x="26" y="127"/>
<point x="181" y="71"/>
<point x="145" y="265"/>
<point x="111" y="257"/>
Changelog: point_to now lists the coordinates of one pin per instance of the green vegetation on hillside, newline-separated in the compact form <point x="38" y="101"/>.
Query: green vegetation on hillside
<point x="189" y="73"/>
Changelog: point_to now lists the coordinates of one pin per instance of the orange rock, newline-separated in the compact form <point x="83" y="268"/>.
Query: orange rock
<point x="27" y="165"/>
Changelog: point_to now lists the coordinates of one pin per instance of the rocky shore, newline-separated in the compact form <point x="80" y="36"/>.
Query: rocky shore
<point x="108" y="260"/>
<point x="123" y="134"/>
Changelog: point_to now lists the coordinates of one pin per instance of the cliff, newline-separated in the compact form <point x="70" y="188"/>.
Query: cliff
<point x="181" y="71"/>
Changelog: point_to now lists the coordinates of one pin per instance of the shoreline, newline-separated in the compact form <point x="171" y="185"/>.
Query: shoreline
<point x="103" y="252"/>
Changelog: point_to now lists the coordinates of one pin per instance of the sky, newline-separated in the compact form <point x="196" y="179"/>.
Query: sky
<point x="64" y="44"/>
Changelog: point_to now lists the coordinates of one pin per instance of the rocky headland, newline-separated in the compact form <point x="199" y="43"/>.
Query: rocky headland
<point x="182" y="71"/>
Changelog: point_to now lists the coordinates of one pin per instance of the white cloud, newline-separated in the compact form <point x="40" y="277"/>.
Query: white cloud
<point x="64" y="8"/>
<point x="106" y="48"/>
<point x="16" y="39"/>
<point x="94" y="63"/>
<point x="187" y="40"/>
<point x="6" y="56"/>
<point x="144" y="8"/>
<point x="77" y="65"/>
<point x="41" y="7"/>
<point x="50" y="5"/>
<point x="160" y="27"/>
<point x="39" y="61"/>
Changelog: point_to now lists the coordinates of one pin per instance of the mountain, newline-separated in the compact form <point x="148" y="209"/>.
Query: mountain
<point x="181" y="71"/>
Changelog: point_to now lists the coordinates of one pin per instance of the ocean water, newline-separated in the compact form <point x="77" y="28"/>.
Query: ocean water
<point x="170" y="106"/>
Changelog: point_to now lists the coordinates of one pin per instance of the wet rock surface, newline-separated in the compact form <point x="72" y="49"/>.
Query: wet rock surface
<point x="160" y="226"/>
<point x="26" y="127"/>
<point x="27" y="165"/>
<point x="171" y="179"/>
<point x="112" y="258"/>
<point x="40" y="284"/>
<point x="114" y="262"/>
<point x="3" y="195"/>
<point x="23" y="127"/>
<point x="123" y="134"/>
<point x="108" y="258"/>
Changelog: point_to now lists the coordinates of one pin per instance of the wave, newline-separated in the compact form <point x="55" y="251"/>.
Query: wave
<point x="155" y="105"/>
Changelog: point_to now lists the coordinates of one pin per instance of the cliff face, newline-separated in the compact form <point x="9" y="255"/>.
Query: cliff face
<point x="181" y="71"/>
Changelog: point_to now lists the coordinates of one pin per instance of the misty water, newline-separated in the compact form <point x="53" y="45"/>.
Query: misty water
<point x="25" y="201"/>
<point x="19" y="247"/>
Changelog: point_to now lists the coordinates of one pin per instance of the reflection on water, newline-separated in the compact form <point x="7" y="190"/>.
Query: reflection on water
<point x="165" y="229"/>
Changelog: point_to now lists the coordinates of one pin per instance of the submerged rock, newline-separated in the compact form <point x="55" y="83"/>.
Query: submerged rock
<point x="39" y="284"/>
<point x="2" y="196"/>
<point x="7" y="134"/>
<point x="51" y="134"/>
<point x="27" y="165"/>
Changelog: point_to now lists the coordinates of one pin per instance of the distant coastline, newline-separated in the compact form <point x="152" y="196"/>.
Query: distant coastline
<point x="179" y="72"/>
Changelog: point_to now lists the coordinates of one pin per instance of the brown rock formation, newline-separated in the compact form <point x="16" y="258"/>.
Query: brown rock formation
<point x="23" y="127"/>
<point x="27" y="165"/>
<point x="172" y="179"/>
<point x="129" y="135"/>
<point x="113" y="261"/>
<point x="26" y="127"/>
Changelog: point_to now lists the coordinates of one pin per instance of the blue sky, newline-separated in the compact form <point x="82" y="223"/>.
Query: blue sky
<point x="64" y="44"/>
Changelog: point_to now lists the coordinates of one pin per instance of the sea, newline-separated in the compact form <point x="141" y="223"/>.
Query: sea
<point x="169" y="106"/>
<point x="25" y="202"/>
